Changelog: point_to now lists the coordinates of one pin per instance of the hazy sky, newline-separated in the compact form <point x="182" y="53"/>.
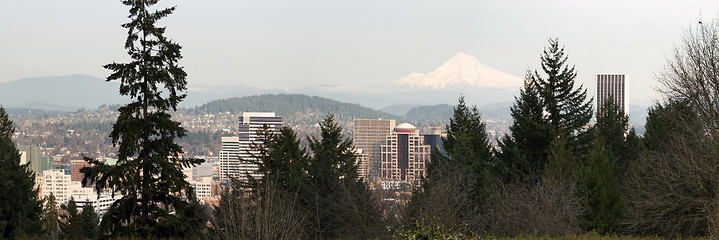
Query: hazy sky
<point x="295" y="43"/>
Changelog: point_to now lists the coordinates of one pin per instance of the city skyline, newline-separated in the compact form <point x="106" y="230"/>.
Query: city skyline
<point x="355" y="44"/>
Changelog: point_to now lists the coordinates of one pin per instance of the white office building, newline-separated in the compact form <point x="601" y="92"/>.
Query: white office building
<point x="237" y="151"/>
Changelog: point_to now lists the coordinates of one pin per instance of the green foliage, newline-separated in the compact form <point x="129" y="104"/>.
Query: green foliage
<point x="523" y="154"/>
<point x="148" y="171"/>
<point x="50" y="224"/>
<point x="338" y="203"/>
<point x="20" y="208"/>
<point x="6" y="128"/>
<point x="661" y="122"/>
<point x="458" y="183"/>
<point x="89" y="222"/>
<point x="280" y="160"/>
<point x="322" y="192"/>
<point x="612" y="125"/>
<point x="70" y="227"/>
<point x="567" y="107"/>
<point x="599" y="183"/>
<point x="467" y="146"/>
<point x="561" y="163"/>
<point x="549" y="105"/>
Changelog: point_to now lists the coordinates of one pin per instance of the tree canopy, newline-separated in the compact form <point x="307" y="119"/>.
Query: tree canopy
<point x="148" y="171"/>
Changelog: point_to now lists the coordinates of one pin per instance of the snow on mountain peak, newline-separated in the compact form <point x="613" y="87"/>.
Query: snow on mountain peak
<point x="461" y="69"/>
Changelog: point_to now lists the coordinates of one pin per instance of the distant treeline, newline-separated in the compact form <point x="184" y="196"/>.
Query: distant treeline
<point x="287" y="105"/>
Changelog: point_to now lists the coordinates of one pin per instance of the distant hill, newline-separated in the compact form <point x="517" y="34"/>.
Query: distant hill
<point x="433" y="113"/>
<point x="399" y="109"/>
<point x="62" y="93"/>
<point x="299" y="107"/>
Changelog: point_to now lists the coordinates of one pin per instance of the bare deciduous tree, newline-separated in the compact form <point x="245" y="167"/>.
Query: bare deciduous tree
<point x="241" y="216"/>
<point x="674" y="187"/>
<point x="693" y="73"/>
<point x="550" y="207"/>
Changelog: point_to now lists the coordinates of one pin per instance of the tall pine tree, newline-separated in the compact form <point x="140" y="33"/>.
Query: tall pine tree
<point x="564" y="110"/>
<point x="89" y="222"/>
<point x="20" y="207"/>
<point x="148" y="171"/>
<point x="459" y="183"/>
<point x="523" y="154"/>
<point x="280" y="160"/>
<point x="70" y="227"/>
<point x="567" y="107"/>
<point x="600" y="187"/>
<point x="339" y="203"/>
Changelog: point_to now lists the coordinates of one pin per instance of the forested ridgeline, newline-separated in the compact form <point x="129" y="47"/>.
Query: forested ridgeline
<point x="296" y="107"/>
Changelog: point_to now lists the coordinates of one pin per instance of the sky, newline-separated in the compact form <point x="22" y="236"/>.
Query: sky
<point x="286" y="44"/>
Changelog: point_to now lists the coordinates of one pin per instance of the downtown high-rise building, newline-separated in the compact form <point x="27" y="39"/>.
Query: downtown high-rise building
<point x="237" y="152"/>
<point x="611" y="87"/>
<point x="404" y="155"/>
<point x="368" y="136"/>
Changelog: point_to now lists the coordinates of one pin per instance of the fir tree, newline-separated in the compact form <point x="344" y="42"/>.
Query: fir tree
<point x="467" y="146"/>
<point x="89" y="222"/>
<point x="459" y="183"/>
<point x="560" y="161"/>
<point x="148" y="170"/>
<point x="50" y="225"/>
<point x="6" y="128"/>
<point x="612" y="125"/>
<point x="566" y="107"/>
<point x="70" y="227"/>
<point x="600" y="186"/>
<point x="338" y="202"/>
<point x="523" y="154"/>
<point x="280" y="159"/>
<point x="549" y="106"/>
<point x="20" y="208"/>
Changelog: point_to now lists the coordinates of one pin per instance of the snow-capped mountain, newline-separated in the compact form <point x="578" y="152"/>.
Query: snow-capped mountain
<point x="461" y="69"/>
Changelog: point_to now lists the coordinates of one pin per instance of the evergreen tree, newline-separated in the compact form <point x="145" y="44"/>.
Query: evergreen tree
<point x="612" y="125"/>
<point x="566" y="107"/>
<point x="148" y="170"/>
<point x="523" y="154"/>
<point x="280" y="159"/>
<point x="50" y="225"/>
<point x="20" y="208"/>
<point x="6" y="128"/>
<point x="459" y="183"/>
<point x="467" y="146"/>
<point x="338" y="202"/>
<point x="70" y="227"/>
<point x="599" y="184"/>
<point x="549" y="105"/>
<point x="560" y="161"/>
<point x="89" y="222"/>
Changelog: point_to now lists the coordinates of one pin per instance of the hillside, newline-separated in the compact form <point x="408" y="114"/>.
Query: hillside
<point x="436" y="113"/>
<point x="296" y="108"/>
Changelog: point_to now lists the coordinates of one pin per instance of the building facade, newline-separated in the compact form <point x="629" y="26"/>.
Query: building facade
<point x="237" y="151"/>
<point x="33" y="155"/>
<point x="229" y="158"/>
<point x="369" y="135"/>
<point x="403" y="156"/>
<point x="58" y="184"/>
<point x="611" y="87"/>
<point x="75" y="166"/>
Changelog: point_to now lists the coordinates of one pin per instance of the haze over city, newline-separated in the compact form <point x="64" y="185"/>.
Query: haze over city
<point x="283" y="44"/>
<point x="339" y="119"/>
